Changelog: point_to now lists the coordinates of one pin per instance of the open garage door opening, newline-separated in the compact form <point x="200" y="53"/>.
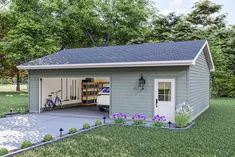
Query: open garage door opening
<point x="82" y="96"/>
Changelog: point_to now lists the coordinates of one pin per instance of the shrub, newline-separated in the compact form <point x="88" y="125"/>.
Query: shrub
<point x="26" y="144"/>
<point x="182" y="119"/>
<point x="98" y="122"/>
<point x="86" y="126"/>
<point x="3" y="151"/>
<point x="158" y="121"/>
<point x="119" y="118"/>
<point x="24" y="111"/>
<point x="47" y="137"/>
<point x="73" y="130"/>
<point x="139" y="119"/>
<point x="2" y="115"/>
<point x="119" y="121"/>
<point x="183" y="115"/>
<point x="139" y="122"/>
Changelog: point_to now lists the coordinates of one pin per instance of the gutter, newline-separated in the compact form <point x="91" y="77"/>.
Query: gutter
<point x="110" y="65"/>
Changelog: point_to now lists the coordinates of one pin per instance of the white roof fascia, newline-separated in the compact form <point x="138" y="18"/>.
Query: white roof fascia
<point x="109" y="65"/>
<point x="212" y="68"/>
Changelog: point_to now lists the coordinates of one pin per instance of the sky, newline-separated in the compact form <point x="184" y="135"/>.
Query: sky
<point x="184" y="6"/>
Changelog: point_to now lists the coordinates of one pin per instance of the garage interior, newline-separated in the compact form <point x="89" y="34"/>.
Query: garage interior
<point x="78" y="95"/>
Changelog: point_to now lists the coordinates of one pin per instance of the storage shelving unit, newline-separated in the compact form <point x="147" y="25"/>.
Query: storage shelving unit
<point x="90" y="91"/>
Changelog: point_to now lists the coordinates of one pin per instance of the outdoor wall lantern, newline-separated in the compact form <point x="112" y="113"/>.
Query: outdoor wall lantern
<point x="142" y="82"/>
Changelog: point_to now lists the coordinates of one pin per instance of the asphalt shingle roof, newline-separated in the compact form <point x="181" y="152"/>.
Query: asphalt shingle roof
<point x="167" y="51"/>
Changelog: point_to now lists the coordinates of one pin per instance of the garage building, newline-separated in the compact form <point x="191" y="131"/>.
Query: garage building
<point x="149" y="78"/>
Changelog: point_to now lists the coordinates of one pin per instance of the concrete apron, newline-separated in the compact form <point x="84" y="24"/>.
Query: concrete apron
<point x="83" y="112"/>
<point x="14" y="130"/>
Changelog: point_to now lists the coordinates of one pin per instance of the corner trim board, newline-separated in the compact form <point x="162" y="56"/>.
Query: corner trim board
<point x="207" y="107"/>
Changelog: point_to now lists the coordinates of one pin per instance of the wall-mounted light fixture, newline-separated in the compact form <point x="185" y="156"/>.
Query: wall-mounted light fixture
<point x="142" y="82"/>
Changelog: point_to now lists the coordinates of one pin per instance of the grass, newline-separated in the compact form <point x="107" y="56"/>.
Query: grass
<point x="212" y="135"/>
<point x="15" y="101"/>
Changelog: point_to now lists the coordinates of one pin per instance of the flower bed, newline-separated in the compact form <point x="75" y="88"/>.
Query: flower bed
<point x="158" y="121"/>
<point x="119" y="118"/>
<point x="139" y="119"/>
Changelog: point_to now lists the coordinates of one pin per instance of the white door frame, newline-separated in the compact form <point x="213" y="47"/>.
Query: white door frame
<point x="173" y="94"/>
<point x="40" y="105"/>
<point x="40" y="95"/>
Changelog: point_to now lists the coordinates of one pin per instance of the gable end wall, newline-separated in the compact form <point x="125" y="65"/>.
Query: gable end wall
<point x="198" y="86"/>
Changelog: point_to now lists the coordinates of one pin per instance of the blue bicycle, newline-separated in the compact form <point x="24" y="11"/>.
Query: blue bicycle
<point x="50" y="104"/>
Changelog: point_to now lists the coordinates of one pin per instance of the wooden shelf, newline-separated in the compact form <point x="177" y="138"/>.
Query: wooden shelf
<point x="90" y="91"/>
<point x="89" y="95"/>
<point x="91" y="104"/>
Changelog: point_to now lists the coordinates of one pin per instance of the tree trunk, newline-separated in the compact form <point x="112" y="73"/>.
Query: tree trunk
<point x="18" y="81"/>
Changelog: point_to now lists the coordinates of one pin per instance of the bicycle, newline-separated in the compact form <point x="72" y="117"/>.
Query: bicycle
<point x="50" y="104"/>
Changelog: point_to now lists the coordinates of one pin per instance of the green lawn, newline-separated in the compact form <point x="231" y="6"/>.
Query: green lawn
<point x="17" y="101"/>
<point x="212" y="135"/>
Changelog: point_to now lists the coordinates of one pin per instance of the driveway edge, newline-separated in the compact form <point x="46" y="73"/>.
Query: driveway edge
<point x="39" y="144"/>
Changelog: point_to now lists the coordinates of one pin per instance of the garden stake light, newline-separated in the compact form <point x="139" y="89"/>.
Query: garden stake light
<point x="104" y="119"/>
<point x="11" y="112"/>
<point x="61" y="131"/>
<point x="169" y="123"/>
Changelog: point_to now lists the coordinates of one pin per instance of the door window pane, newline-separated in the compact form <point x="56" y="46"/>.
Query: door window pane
<point x="160" y="97"/>
<point x="161" y="88"/>
<point x="167" y="97"/>
<point x="164" y="91"/>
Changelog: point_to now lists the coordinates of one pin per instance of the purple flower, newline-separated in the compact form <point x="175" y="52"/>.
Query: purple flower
<point x="138" y="116"/>
<point x="159" y="118"/>
<point x="119" y="115"/>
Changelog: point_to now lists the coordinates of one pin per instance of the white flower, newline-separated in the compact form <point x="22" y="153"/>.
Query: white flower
<point x="184" y="108"/>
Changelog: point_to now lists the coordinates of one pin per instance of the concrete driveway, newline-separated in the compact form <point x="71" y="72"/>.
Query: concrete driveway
<point x="14" y="130"/>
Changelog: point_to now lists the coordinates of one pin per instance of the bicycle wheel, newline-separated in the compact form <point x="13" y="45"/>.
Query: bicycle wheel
<point x="49" y="106"/>
<point x="58" y="103"/>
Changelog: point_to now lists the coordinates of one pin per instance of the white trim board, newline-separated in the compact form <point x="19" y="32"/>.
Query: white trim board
<point x="106" y="65"/>
<point x="210" y="57"/>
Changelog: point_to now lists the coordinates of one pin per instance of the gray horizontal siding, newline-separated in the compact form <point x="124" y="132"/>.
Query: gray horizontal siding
<point x="127" y="97"/>
<point x="125" y="94"/>
<point x="33" y="93"/>
<point x="198" y="91"/>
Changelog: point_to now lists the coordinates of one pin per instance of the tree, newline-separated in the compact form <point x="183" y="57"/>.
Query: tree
<point x="27" y="39"/>
<point x="204" y="22"/>
<point x="203" y="14"/>
<point x="171" y="28"/>
<point x="36" y="28"/>
<point x="221" y="39"/>
<point x="97" y="23"/>
<point x="122" y="20"/>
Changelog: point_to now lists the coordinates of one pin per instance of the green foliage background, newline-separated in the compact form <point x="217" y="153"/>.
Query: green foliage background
<point x="34" y="28"/>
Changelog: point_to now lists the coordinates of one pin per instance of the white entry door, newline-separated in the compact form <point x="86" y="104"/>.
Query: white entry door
<point x="164" y="99"/>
